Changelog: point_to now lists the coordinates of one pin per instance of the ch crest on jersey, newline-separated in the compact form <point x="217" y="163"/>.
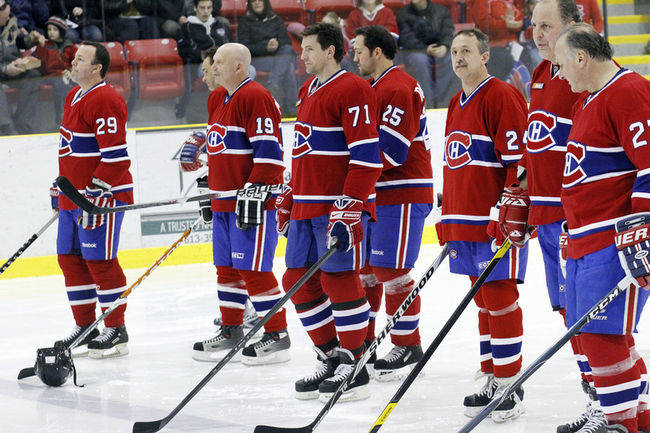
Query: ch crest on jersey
<point x="215" y="139"/>
<point x="65" y="139"/>
<point x="573" y="173"/>
<point x="301" y="146"/>
<point x="457" y="149"/>
<point x="539" y="134"/>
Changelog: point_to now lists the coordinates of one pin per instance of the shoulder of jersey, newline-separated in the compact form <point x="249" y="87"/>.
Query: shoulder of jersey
<point x="254" y="90"/>
<point x="351" y="79"/>
<point x="399" y="78"/>
<point x="539" y="70"/>
<point x="501" y="87"/>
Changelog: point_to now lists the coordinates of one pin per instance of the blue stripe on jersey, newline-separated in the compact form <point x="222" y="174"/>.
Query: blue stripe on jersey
<point x="118" y="153"/>
<point x="392" y="146"/>
<point x="485" y="347"/>
<point x="619" y="397"/>
<point x="107" y="299"/>
<point x="545" y="203"/>
<point x="642" y="183"/>
<point x="479" y="150"/>
<point x="312" y="319"/>
<point x="237" y="140"/>
<point x="366" y="152"/>
<point x="463" y="221"/>
<point x="267" y="149"/>
<point x="501" y="351"/>
<point x="397" y="185"/>
<point x="239" y="298"/>
<point x="84" y="145"/>
<point x="598" y="163"/>
<point x="591" y="232"/>
<point x="80" y="295"/>
<point x="326" y="141"/>
<point x="324" y="200"/>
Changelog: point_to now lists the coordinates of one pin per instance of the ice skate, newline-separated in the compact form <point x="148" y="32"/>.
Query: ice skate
<point x="214" y="349"/>
<point x="110" y="343"/>
<point x="273" y="348"/>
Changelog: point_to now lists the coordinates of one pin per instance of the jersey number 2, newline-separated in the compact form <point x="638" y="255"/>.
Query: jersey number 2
<point x="639" y="127"/>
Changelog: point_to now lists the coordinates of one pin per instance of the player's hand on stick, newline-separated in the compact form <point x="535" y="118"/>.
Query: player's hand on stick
<point x="204" y="205"/>
<point x="54" y="197"/>
<point x="250" y="205"/>
<point x="345" y="223"/>
<point x="283" y="205"/>
<point x="564" y="243"/>
<point x="99" y="194"/>
<point x="633" y="244"/>
<point x="191" y="150"/>
<point x="514" y="206"/>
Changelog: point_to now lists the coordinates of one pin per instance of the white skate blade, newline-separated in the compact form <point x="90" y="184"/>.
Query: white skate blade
<point x="202" y="356"/>
<point x="472" y="411"/>
<point x="80" y="351"/>
<point x="309" y="395"/>
<point x="371" y="371"/>
<point x="273" y="358"/>
<point x="114" y="352"/>
<point x="506" y="415"/>
<point x="359" y="393"/>
<point x="397" y="374"/>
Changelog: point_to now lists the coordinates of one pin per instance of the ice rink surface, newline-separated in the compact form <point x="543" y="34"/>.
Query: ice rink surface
<point x="175" y="307"/>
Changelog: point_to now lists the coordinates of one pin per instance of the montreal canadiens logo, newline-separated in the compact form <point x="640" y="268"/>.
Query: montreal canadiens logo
<point x="457" y="149"/>
<point x="215" y="139"/>
<point x="65" y="138"/>
<point x="573" y="173"/>
<point x="540" y="127"/>
<point x="301" y="146"/>
<point x="453" y="254"/>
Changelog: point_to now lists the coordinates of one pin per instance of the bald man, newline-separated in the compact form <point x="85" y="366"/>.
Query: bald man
<point x="243" y="146"/>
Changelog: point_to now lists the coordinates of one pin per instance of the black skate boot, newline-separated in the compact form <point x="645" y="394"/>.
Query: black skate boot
<point x="110" y="343"/>
<point x="214" y="349"/>
<point x="358" y="389"/>
<point x="512" y="407"/>
<point x="307" y="387"/>
<point x="397" y="363"/>
<point x="475" y="403"/>
<point x="250" y="318"/>
<point x="82" y="347"/>
<point x="273" y="348"/>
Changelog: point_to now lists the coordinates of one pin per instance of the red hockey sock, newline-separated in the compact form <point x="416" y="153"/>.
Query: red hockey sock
<point x="643" y="413"/>
<point x="81" y="288"/>
<point x="232" y="295"/>
<point x="313" y="307"/>
<point x="374" y="290"/>
<point x="264" y="293"/>
<point x="485" y="349"/>
<point x="349" y="308"/>
<point x="506" y="327"/>
<point x="398" y="284"/>
<point x="111" y="283"/>
<point x="616" y="377"/>
<point x="581" y="358"/>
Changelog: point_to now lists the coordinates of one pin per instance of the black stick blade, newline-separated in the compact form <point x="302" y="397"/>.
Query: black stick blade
<point x="71" y="192"/>
<point x="149" y="426"/>
<point x="26" y="372"/>
<point x="271" y="429"/>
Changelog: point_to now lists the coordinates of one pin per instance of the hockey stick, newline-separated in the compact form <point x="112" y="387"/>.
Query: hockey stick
<point x="29" y="242"/>
<point x="27" y="372"/>
<point x="366" y="356"/>
<point x="441" y="335"/>
<point x="77" y="198"/>
<point x="541" y="360"/>
<point x="154" y="426"/>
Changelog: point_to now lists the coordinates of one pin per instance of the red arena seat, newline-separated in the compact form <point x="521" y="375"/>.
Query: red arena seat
<point x="118" y="74"/>
<point x="318" y="8"/>
<point x="158" y="69"/>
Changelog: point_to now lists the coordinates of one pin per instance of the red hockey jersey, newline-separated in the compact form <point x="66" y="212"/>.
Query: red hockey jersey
<point x="483" y="143"/>
<point x="92" y="142"/>
<point x="549" y="123"/>
<point x="335" y="149"/>
<point x="407" y="176"/>
<point x="381" y="16"/>
<point x="242" y="141"/>
<point x="607" y="167"/>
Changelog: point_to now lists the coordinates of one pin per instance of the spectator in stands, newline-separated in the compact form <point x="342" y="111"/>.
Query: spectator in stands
<point x="590" y="13"/>
<point x="56" y="53"/>
<point x="199" y="34"/>
<point x="425" y="33"/>
<point x="370" y="12"/>
<point x="265" y="35"/>
<point x="526" y="37"/>
<point x="130" y="19"/>
<point x="168" y="15"/>
<point x="31" y="14"/>
<point x="501" y="20"/>
<point x="84" y="15"/>
<point x="188" y="8"/>
<point x="16" y="72"/>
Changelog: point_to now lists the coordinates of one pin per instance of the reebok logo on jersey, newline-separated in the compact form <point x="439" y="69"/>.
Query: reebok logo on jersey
<point x="235" y="255"/>
<point x="85" y="245"/>
<point x="377" y="252"/>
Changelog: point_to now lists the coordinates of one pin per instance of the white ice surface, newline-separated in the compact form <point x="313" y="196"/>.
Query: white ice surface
<point x="175" y="306"/>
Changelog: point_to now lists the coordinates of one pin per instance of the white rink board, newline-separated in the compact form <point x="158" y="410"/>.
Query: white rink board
<point x="29" y="165"/>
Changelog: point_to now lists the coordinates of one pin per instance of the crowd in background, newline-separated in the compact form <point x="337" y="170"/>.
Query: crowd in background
<point x="38" y="37"/>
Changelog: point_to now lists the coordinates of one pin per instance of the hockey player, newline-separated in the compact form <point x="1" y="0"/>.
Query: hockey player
<point x="244" y="154"/>
<point x="330" y="199"/>
<point x="485" y="126"/>
<point x="606" y="188"/>
<point x="404" y="196"/>
<point x="93" y="156"/>
<point x="549" y="123"/>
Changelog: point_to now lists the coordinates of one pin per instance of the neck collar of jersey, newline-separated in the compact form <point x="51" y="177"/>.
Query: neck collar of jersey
<point x="383" y="74"/>
<point x="79" y="95"/>
<point x="618" y="75"/>
<point x="465" y="99"/>
<point x="229" y="97"/>
<point x="317" y="85"/>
